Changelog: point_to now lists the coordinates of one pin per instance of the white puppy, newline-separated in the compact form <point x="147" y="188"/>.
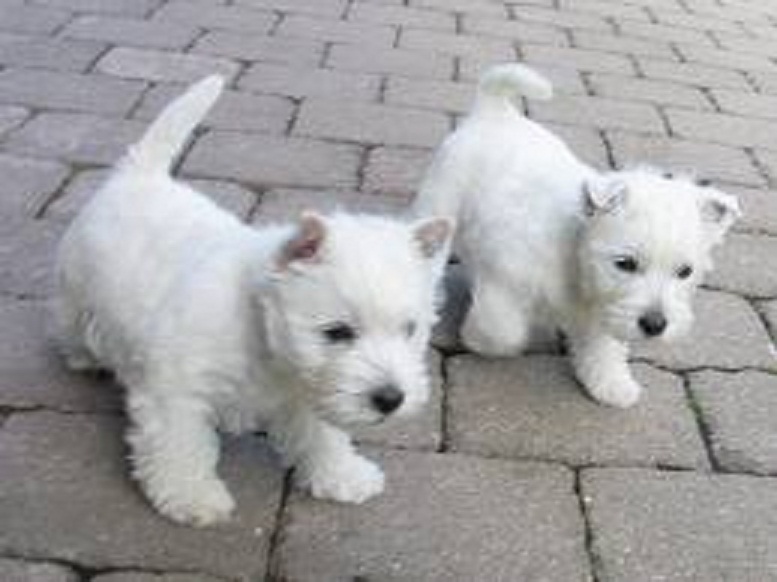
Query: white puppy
<point x="212" y="325"/>
<point x="547" y="240"/>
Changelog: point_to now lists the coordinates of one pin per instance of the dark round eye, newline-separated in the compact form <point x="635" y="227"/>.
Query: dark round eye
<point x="684" y="271"/>
<point x="626" y="264"/>
<point x="410" y="328"/>
<point x="339" y="333"/>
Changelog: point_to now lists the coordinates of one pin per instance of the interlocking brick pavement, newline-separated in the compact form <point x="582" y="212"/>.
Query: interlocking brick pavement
<point x="511" y="472"/>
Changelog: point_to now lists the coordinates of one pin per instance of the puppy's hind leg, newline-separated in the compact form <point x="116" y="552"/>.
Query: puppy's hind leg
<point x="72" y="326"/>
<point x="498" y="321"/>
<point x="175" y="449"/>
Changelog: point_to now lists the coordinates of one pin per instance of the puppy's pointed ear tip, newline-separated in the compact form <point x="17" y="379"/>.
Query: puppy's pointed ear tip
<point x="433" y="234"/>
<point x="306" y="242"/>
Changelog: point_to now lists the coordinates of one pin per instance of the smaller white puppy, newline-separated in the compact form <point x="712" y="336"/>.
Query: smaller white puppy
<point x="549" y="241"/>
<point x="211" y="325"/>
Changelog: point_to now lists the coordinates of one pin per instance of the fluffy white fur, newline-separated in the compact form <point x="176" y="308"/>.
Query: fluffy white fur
<point x="607" y="257"/>
<point x="212" y="325"/>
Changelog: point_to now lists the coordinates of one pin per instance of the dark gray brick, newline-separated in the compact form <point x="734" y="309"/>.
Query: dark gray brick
<point x="48" y="89"/>
<point x="680" y="526"/>
<point x="738" y="411"/>
<point x="270" y="161"/>
<point x="528" y="407"/>
<point x="66" y="494"/>
<point x="134" y="63"/>
<point x="455" y="518"/>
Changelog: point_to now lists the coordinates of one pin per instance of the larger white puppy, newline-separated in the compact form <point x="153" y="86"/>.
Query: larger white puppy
<point x="213" y="325"/>
<point x="607" y="257"/>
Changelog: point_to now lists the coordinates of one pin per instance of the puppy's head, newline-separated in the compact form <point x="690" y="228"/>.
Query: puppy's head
<point x="350" y="309"/>
<point x="646" y="245"/>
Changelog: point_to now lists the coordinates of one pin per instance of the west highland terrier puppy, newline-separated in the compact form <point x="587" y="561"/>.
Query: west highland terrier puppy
<point x="607" y="257"/>
<point x="211" y="325"/>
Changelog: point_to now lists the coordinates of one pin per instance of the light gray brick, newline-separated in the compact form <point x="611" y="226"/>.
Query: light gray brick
<point x="406" y="16"/>
<point x="650" y="90"/>
<point x="746" y="104"/>
<point x="586" y="143"/>
<point x="680" y="526"/>
<point x="484" y="47"/>
<point x="564" y="18"/>
<point x="76" y="137"/>
<point x="89" y="93"/>
<point x="746" y="264"/>
<point x="126" y="7"/>
<point x="26" y="19"/>
<point x="598" y="40"/>
<point x="693" y="74"/>
<point x="738" y="412"/>
<point x="460" y="518"/>
<point x="504" y="409"/>
<point x="726" y="334"/>
<point x="340" y="31"/>
<point x="270" y="161"/>
<point x="391" y="61"/>
<point x="44" y="53"/>
<point x="300" y="83"/>
<point x="11" y="117"/>
<point x="707" y="160"/>
<point x="766" y="82"/>
<point x="233" y="110"/>
<point x="748" y="44"/>
<point x="662" y="32"/>
<point x="599" y="112"/>
<point x="331" y="8"/>
<point x="515" y="30"/>
<point x="767" y="159"/>
<point x="209" y="15"/>
<point x="579" y="59"/>
<point x="130" y="31"/>
<point x="133" y="63"/>
<point x="286" y="204"/>
<point x="66" y="494"/>
<point x="31" y="372"/>
<point x="29" y="571"/>
<point x="27" y="251"/>
<point x="759" y="208"/>
<point x="250" y="47"/>
<point x="438" y="95"/>
<point x="605" y="8"/>
<point x="696" y="20"/>
<point x="374" y="124"/>
<point x="722" y="128"/>
<point x="465" y="7"/>
<point x="396" y="171"/>
<point x="727" y="59"/>
<point x="26" y="185"/>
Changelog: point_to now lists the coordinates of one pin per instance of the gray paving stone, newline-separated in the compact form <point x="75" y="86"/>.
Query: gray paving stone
<point x="650" y="90"/>
<point x="87" y="93"/>
<point x="396" y="171"/>
<point x="437" y="95"/>
<point x="585" y="142"/>
<point x="726" y="334"/>
<point x="22" y="571"/>
<point x="534" y="32"/>
<point x="11" y="116"/>
<point x="321" y="7"/>
<point x="746" y="104"/>
<point x="210" y="15"/>
<point x="576" y="58"/>
<point x="76" y="137"/>
<point x="31" y="372"/>
<point x="300" y="82"/>
<point x="284" y="204"/>
<point x="146" y="577"/>
<point x="128" y="7"/>
<point x="746" y="264"/>
<point x="484" y="47"/>
<point x="599" y="112"/>
<point x="452" y="517"/>
<point x="722" y="128"/>
<point x="26" y="257"/>
<point x="152" y="65"/>
<point x="45" y="53"/>
<point x="707" y="160"/>
<point x="251" y="47"/>
<point x="339" y="31"/>
<point x="680" y="526"/>
<point x="130" y="31"/>
<point x="692" y="74"/>
<point x="759" y="209"/>
<point x="374" y="124"/>
<point x="26" y="19"/>
<point x="738" y="410"/>
<point x="66" y="494"/>
<point x="234" y="110"/>
<point x="529" y="408"/>
<point x="391" y="61"/>
<point x="598" y="40"/>
<point x="402" y="15"/>
<point x="25" y="185"/>
<point x="270" y="161"/>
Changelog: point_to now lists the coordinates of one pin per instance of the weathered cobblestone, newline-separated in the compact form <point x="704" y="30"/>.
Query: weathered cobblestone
<point x="22" y="571"/>
<point x="747" y="264"/>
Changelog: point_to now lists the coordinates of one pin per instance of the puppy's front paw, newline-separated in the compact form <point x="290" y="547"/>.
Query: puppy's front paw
<point x="199" y="503"/>
<point x="353" y="479"/>
<point x="621" y="392"/>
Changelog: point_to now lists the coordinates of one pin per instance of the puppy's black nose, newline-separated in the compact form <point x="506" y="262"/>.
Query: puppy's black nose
<point x="387" y="399"/>
<point x="653" y="323"/>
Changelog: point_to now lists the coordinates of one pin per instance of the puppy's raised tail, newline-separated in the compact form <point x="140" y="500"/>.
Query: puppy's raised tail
<point x="167" y="135"/>
<point x="500" y="85"/>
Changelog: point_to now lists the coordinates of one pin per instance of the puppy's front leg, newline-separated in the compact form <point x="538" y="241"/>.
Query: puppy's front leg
<point x="175" y="449"/>
<point x="325" y="460"/>
<point x="601" y="366"/>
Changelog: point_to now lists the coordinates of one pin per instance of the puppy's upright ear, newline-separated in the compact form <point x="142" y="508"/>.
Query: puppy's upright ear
<point x="433" y="236"/>
<point x="603" y="196"/>
<point x="718" y="212"/>
<point x="305" y="244"/>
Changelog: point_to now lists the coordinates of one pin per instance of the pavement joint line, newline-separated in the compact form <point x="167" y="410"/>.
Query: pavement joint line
<point x="762" y="170"/>
<point x="595" y="563"/>
<point x="40" y="212"/>
<point x="705" y="431"/>
<point x="445" y="406"/>
<point x="704" y="368"/>
<point x="280" y="17"/>
<point x="273" y="571"/>
<point x="361" y="167"/>
<point x="295" y="113"/>
<point x="609" y="150"/>
<point x="90" y="67"/>
<point x="186" y="49"/>
<point x="757" y="306"/>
